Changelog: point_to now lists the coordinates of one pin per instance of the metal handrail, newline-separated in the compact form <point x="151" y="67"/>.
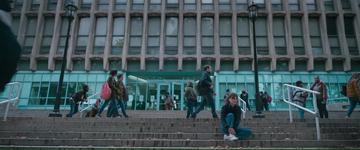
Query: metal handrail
<point x="315" y="112"/>
<point x="243" y="109"/>
<point x="13" y="100"/>
<point x="89" y="105"/>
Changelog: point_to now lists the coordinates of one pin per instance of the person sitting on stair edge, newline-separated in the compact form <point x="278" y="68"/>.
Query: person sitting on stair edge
<point x="230" y="120"/>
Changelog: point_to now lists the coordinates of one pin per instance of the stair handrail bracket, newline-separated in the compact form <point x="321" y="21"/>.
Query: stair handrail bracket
<point x="243" y="109"/>
<point x="14" y="90"/>
<point x="315" y="112"/>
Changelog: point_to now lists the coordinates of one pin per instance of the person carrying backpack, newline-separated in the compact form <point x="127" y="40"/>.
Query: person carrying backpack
<point x="353" y="92"/>
<point x="190" y="98"/>
<point x="206" y="91"/>
<point x="299" y="97"/>
<point x="76" y="99"/>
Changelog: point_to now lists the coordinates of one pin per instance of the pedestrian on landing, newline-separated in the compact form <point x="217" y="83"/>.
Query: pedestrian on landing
<point x="77" y="99"/>
<point x="190" y="98"/>
<point x="265" y="100"/>
<point x="321" y="98"/>
<point x="169" y="104"/>
<point x="227" y="93"/>
<point x="230" y="120"/>
<point x="353" y="92"/>
<point x="206" y="91"/>
<point x="121" y="94"/>
<point x="245" y="96"/>
<point x="299" y="98"/>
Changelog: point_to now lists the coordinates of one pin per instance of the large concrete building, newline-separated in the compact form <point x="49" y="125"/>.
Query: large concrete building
<point x="162" y="44"/>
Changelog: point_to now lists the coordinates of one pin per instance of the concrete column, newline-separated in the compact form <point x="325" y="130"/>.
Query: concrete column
<point x="342" y="36"/>
<point x="144" y="36"/>
<point x="270" y="36"/>
<point x="38" y="37"/>
<point x="126" y="36"/>
<point x="162" y="36"/>
<point x="324" y="37"/>
<point x="216" y="35"/>
<point x="234" y="36"/>
<point x="109" y="34"/>
<point x="72" y="43"/>
<point x="288" y="36"/>
<point x="181" y="35"/>
<point x="198" y="36"/>
<point x="90" y="44"/>
<point x="55" y="38"/>
<point x="307" y="41"/>
<point x="355" y="8"/>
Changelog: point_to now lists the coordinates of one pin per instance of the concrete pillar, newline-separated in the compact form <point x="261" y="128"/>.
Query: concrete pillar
<point x="90" y="44"/>
<point x="180" y="35"/>
<point x="288" y="37"/>
<point x="126" y="36"/>
<point x="38" y="36"/>
<point x="162" y="36"/>
<point x="55" y="38"/>
<point x="270" y="36"/>
<point x="307" y="41"/>
<point x="216" y="36"/>
<point x="342" y="36"/>
<point x="144" y="36"/>
<point x="109" y="33"/>
<point x="198" y="36"/>
<point x="324" y="37"/>
<point x="234" y="36"/>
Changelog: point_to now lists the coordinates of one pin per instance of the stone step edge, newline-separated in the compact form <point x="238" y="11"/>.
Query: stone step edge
<point x="158" y="148"/>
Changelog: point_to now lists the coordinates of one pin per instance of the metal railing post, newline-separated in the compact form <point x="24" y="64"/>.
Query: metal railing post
<point x="316" y="117"/>
<point x="13" y="86"/>
<point x="290" y="108"/>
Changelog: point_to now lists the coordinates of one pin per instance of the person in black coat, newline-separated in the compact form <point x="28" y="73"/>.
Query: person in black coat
<point x="10" y="48"/>
<point x="245" y="96"/>
<point x="230" y="120"/>
<point x="77" y="99"/>
<point x="206" y="91"/>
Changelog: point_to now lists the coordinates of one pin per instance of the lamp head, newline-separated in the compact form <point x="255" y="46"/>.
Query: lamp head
<point x="253" y="10"/>
<point x="70" y="8"/>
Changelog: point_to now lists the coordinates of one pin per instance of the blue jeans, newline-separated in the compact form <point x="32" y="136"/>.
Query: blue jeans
<point x="191" y="108"/>
<point x="74" y="108"/>
<point x="206" y="99"/>
<point x="122" y="105"/>
<point x="103" y="107"/>
<point x="353" y="103"/>
<point x="241" y="133"/>
<point x="113" y="109"/>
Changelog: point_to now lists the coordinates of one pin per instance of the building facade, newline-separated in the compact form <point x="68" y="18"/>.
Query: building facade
<point x="162" y="44"/>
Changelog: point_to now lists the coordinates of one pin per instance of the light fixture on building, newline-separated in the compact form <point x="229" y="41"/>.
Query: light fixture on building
<point x="70" y="11"/>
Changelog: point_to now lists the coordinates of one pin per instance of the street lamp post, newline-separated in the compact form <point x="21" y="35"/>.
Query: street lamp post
<point x="70" y="10"/>
<point x="253" y="8"/>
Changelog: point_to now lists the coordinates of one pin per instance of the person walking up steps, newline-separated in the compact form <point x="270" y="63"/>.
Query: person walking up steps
<point x="353" y="92"/>
<point x="206" y="91"/>
<point x="190" y="97"/>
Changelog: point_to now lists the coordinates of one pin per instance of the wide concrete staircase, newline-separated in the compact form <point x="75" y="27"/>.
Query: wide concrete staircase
<point x="167" y="129"/>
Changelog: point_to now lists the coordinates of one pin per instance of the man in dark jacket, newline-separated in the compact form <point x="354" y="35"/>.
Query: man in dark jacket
<point x="206" y="91"/>
<point x="10" y="48"/>
<point x="76" y="99"/>
<point x="230" y="120"/>
<point x="245" y="96"/>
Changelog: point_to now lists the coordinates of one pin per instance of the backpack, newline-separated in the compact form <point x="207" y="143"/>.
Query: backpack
<point x="343" y="90"/>
<point x="269" y="99"/>
<point x="105" y="91"/>
<point x="200" y="89"/>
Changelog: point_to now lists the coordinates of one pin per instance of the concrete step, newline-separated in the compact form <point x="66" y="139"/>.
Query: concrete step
<point x="179" y="135"/>
<point x="178" y="143"/>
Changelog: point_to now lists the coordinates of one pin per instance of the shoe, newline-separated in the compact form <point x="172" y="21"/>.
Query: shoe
<point x="230" y="137"/>
<point x="347" y="117"/>
<point x="98" y="116"/>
